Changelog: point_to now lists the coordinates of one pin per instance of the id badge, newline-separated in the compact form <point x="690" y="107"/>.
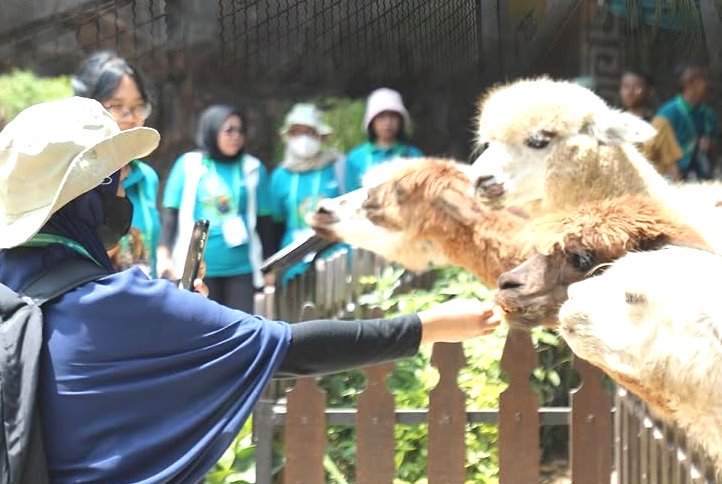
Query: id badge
<point x="234" y="231"/>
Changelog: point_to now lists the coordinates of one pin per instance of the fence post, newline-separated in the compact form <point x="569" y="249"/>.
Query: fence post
<point x="263" y="305"/>
<point x="375" y="421"/>
<point x="447" y="417"/>
<point x="591" y="440"/>
<point x="305" y="430"/>
<point x="518" y="412"/>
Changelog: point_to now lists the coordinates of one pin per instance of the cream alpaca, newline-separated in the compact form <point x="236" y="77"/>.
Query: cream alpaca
<point x="653" y="322"/>
<point x="554" y="145"/>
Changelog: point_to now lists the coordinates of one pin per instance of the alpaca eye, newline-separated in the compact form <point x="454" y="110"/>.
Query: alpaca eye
<point x="634" y="298"/>
<point x="582" y="260"/>
<point x="539" y="140"/>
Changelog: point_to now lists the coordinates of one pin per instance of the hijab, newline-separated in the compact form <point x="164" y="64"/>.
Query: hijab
<point x="211" y="121"/>
<point x="78" y="220"/>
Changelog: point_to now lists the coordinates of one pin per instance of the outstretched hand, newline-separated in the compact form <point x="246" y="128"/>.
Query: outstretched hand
<point x="458" y="320"/>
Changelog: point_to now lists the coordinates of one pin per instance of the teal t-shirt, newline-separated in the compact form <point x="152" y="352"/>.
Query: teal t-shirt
<point x="294" y="195"/>
<point x="222" y="194"/>
<point x="689" y="123"/>
<point x="368" y="154"/>
<point x="141" y="188"/>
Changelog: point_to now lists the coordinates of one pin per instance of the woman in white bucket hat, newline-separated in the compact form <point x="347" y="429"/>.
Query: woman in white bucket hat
<point x="385" y="122"/>
<point x="140" y="381"/>
<point x="305" y="176"/>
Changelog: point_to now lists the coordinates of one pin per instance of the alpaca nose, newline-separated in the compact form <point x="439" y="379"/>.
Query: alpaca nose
<point x="323" y="210"/>
<point x="508" y="281"/>
<point x="487" y="186"/>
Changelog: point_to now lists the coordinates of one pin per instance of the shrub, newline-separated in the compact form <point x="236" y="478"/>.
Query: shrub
<point x="21" y="89"/>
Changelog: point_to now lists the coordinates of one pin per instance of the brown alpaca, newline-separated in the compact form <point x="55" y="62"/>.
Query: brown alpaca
<point x="431" y="201"/>
<point x="424" y="214"/>
<point x="569" y="246"/>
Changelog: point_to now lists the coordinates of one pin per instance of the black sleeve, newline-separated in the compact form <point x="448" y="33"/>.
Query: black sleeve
<point x="270" y="233"/>
<point x="170" y="227"/>
<point x="326" y="346"/>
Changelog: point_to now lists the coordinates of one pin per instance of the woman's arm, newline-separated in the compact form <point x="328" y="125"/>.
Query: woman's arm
<point x="327" y="346"/>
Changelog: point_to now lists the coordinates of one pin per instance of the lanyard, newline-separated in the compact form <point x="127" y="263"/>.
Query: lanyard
<point x="293" y="196"/>
<point x="235" y="185"/>
<point x="44" y="240"/>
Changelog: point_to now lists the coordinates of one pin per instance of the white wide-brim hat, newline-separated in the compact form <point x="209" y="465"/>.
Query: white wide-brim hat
<point x="52" y="153"/>
<point x="384" y="99"/>
<point x="305" y="114"/>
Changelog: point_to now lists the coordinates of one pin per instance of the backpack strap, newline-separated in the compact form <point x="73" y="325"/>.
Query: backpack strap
<point x="22" y="440"/>
<point x="56" y="281"/>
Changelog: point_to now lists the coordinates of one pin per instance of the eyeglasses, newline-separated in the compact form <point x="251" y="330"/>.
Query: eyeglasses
<point x="120" y="111"/>
<point x="230" y="130"/>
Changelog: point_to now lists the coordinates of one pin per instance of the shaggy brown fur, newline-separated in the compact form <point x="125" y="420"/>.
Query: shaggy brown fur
<point x="432" y="201"/>
<point x="610" y="228"/>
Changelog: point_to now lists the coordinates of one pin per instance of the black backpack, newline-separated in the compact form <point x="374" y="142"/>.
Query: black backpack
<point x="22" y="455"/>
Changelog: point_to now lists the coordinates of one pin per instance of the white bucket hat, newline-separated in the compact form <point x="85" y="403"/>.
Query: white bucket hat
<point x="384" y="99"/>
<point x="305" y="114"/>
<point x="53" y="152"/>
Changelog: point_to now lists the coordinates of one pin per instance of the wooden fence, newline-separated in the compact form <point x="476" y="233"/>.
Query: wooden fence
<point x="600" y="431"/>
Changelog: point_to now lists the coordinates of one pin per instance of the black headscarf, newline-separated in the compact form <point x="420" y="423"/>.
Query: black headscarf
<point x="210" y="124"/>
<point x="78" y="220"/>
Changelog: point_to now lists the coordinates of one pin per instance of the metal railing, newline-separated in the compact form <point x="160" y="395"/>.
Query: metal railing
<point x="648" y="451"/>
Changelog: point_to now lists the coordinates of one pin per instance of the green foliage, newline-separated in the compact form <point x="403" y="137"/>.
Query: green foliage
<point x="237" y="465"/>
<point x="21" y="89"/>
<point x="344" y="115"/>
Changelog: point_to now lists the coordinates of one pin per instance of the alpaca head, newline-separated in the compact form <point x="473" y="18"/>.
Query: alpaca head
<point x="570" y="246"/>
<point x="653" y="321"/>
<point x="535" y="132"/>
<point x="376" y="216"/>
<point x="419" y="199"/>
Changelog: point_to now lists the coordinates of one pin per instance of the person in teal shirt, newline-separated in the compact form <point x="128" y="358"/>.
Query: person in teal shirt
<point x="119" y="87"/>
<point x="228" y="187"/>
<point x="385" y="122"/>
<point x="694" y="123"/>
<point x="305" y="176"/>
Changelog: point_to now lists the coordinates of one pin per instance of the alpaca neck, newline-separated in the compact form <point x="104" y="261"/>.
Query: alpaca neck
<point x="691" y="384"/>
<point x="486" y="247"/>
<point x="601" y="172"/>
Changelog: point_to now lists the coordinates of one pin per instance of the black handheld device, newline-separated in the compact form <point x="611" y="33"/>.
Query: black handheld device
<point x="195" y="254"/>
<point x="295" y="253"/>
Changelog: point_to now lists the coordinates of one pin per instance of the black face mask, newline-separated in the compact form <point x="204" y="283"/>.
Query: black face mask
<point x="118" y="215"/>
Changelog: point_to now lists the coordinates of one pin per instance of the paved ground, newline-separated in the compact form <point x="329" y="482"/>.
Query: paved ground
<point x="555" y="472"/>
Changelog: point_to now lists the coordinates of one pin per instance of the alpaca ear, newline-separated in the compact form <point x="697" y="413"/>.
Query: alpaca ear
<point x="615" y="127"/>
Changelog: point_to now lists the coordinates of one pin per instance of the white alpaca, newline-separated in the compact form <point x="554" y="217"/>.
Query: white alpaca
<point x="653" y="322"/>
